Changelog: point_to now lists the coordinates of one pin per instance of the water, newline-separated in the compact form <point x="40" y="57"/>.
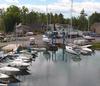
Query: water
<point x="62" y="69"/>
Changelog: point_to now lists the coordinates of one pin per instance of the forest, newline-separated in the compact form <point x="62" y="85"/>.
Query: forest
<point x="14" y="15"/>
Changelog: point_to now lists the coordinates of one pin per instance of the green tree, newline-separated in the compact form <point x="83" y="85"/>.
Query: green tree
<point x="75" y="22"/>
<point x="61" y="18"/>
<point x="56" y="19"/>
<point x="94" y="18"/>
<point x="82" y="21"/>
<point x="52" y="18"/>
<point x="24" y="12"/>
<point x="11" y="18"/>
<point x="2" y="25"/>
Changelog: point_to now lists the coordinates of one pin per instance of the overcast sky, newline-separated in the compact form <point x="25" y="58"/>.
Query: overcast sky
<point x="56" y="6"/>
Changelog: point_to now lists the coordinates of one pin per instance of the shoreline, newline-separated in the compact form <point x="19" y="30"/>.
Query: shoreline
<point x="40" y="44"/>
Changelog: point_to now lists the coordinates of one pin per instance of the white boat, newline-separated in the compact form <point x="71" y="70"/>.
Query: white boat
<point x="9" y="70"/>
<point x="80" y="41"/>
<point x="86" y="46"/>
<point x="18" y="63"/>
<point x="3" y="76"/>
<point x="88" y="37"/>
<point x="45" y="39"/>
<point x="34" y="52"/>
<point x="22" y="60"/>
<point x="3" y="84"/>
<point x="39" y="49"/>
<point x="86" y="49"/>
<point x="25" y="57"/>
<point x="70" y="49"/>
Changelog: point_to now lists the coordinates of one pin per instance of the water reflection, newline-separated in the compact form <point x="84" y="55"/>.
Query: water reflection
<point x="47" y="55"/>
<point x="62" y="69"/>
<point x="76" y="59"/>
<point x="60" y="55"/>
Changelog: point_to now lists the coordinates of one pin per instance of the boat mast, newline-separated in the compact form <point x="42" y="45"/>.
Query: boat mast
<point x="71" y="22"/>
<point x="47" y="13"/>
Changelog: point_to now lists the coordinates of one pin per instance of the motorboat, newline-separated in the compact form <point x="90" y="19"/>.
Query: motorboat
<point x="34" y="52"/>
<point x="71" y="50"/>
<point x="80" y="41"/>
<point x="1" y="84"/>
<point x="45" y="39"/>
<point x="25" y="57"/>
<point x="86" y="49"/>
<point x="22" y="60"/>
<point x="30" y="54"/>
<point x="3" y="76"/>
<point x="20" y="57"/>
<point x="38" y="49"/>
<point x="86" y="46"/>
<point x="18" y="63"/>
<point x="9" y="70"/>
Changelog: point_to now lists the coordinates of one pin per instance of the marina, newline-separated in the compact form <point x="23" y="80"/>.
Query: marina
<point x="43" y="61"/>
<point x="49" y="43"/>
<point x="46" y="61"/>
<point x="61" y="69"/>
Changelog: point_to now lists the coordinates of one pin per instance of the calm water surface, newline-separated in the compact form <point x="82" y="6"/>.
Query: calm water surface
<point x="62" y="69"/>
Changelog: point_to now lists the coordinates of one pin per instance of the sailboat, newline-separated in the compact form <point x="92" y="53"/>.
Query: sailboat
<point x="70" y="48"/>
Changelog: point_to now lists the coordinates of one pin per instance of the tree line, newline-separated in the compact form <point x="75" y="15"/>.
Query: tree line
<point x="15" y="15"/>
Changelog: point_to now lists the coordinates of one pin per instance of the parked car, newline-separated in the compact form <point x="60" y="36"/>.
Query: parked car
<point x="6" y="39"/>
<point x="29" y="33"/>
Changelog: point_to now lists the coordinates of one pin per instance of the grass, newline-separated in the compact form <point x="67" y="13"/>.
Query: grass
<point x="96" y="45"/>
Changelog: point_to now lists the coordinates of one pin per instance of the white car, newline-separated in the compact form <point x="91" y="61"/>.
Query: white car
<point x="29" y="33"/>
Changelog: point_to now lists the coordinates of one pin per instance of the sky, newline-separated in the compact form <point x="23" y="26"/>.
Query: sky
<point x="56" y="6"/>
